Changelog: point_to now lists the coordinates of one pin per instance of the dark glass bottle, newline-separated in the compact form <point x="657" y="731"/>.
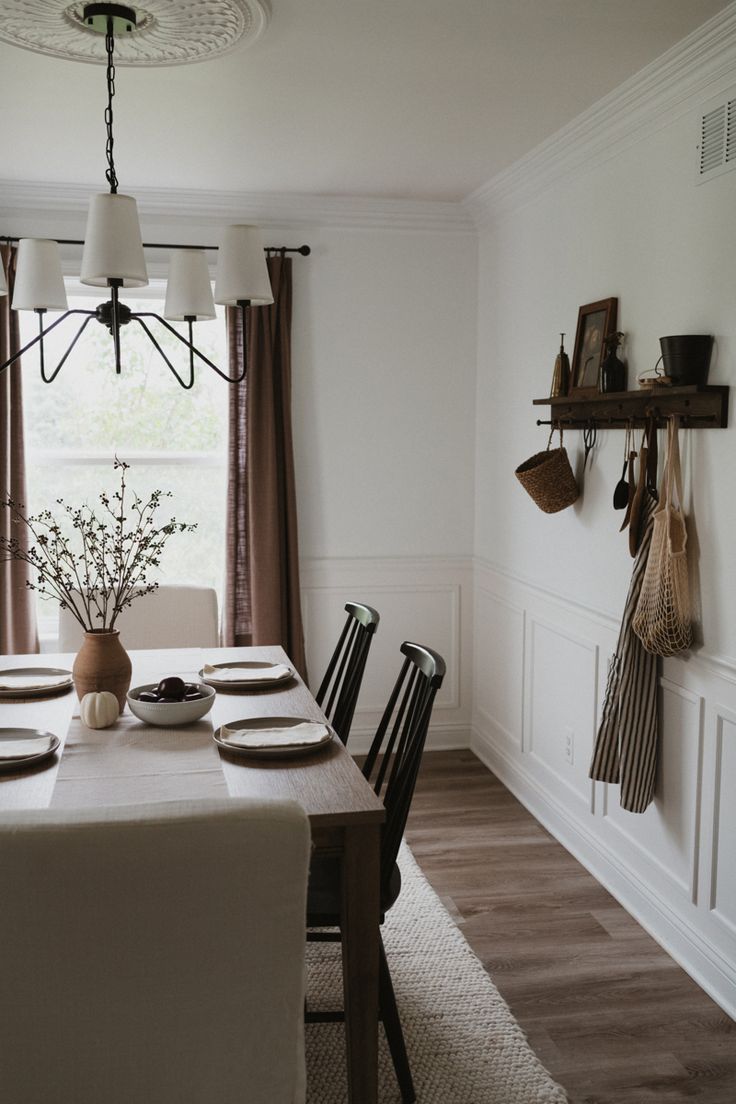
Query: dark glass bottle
<point x="613" y="370"/>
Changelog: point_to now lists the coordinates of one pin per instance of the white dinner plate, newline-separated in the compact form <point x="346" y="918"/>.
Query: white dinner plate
<point x="249" y="683"/>
<point x="274" y="752"/>
<point x="39" y="691"/>
<point x="12" y="765"/>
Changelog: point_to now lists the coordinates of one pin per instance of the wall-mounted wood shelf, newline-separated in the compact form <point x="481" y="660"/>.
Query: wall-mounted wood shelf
<point x="698" y="407"/>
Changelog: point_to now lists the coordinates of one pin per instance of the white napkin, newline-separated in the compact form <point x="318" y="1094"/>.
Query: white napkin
<point x="245" y="674"/>
<point x="19" y="749"/>
<point x="32" y="682"/>
<point x="307" y="732"/>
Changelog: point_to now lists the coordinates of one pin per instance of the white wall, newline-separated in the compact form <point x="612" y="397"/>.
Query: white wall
<point x="611" y="210"/>
<point x="384" y="391"/>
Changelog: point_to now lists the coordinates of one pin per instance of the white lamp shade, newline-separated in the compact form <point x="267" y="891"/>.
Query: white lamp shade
<point x="39" y="284"/>
<point x="188" y="291"/>
<point x="112" y="244"/>
<point x="241" y="268"/>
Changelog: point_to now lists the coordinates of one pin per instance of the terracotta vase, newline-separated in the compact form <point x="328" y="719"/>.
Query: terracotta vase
<point x="102" y="663"/>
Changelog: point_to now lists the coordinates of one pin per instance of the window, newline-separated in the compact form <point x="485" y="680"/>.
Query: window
<point x="173" y="439"/>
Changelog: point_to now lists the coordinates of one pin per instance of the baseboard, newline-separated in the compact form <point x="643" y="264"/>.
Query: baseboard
<point x="669" y="929"/>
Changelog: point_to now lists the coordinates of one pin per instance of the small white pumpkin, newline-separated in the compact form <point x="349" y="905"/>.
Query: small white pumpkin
<point x="99" y="710"/>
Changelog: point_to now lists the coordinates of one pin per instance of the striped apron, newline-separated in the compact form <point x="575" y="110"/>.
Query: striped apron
<point x="626" y="745"/>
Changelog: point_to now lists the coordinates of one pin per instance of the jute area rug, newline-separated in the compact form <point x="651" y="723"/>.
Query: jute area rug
<point x="464" y="1045"/>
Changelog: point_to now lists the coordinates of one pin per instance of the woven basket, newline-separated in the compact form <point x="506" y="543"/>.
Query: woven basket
<point x="547" y="477"/>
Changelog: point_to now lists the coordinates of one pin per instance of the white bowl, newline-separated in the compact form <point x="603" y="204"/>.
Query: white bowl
<point x="170" y="713"/>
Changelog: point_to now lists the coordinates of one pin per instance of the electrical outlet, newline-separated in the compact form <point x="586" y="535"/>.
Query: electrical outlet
<point x="569" y="745"/>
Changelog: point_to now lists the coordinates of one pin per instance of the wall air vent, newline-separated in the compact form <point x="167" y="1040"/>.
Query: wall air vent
<point x="717" y="139"/>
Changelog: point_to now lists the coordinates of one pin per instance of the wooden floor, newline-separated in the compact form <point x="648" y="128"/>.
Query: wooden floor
<point x="609" y="1013"/>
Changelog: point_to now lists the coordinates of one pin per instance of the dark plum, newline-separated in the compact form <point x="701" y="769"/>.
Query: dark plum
<point x="148" y="696"/>
<point x="171" y="689"/>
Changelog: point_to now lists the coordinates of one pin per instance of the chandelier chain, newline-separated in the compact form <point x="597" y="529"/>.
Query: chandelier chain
<point x="110" y="174"/>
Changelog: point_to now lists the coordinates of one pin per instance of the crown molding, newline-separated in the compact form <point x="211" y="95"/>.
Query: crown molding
<point x="646" y="102"/>
<point x="209" y="210"/>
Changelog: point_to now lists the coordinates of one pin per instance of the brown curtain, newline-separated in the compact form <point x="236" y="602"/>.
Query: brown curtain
<point x="262" y="601"/>
<point x="18" y="632"/>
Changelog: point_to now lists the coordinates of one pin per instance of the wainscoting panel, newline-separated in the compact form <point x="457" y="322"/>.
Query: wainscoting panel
<point x="723" y="875"/>
<point x="561" y="676"/>
<point x="499" y="644"/>
<point x="666" y="835"/>
<point x="674" y="866"/>
<point x="426" y="600"/>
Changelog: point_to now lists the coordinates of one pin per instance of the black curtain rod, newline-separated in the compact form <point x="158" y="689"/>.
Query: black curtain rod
<point x="304" y="250"/>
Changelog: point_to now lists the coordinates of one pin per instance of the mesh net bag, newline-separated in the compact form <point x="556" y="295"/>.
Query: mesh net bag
<point x="663" y="618"/>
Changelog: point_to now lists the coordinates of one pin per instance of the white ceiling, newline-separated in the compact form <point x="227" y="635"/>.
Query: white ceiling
<point x="427" y="99"/>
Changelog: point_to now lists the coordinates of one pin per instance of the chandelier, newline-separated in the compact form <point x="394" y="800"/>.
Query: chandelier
<point x="113" y="258"/>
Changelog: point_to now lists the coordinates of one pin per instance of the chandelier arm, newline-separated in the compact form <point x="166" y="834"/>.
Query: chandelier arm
<point x="190" y="328"/>
<point x="194" y="351"/>
<point x="40" y="336"/>
<point x="62" y="362"/>
<point x="41" y="352"/>
<point x="115" y="322"/>
<point x="187" y="386"/>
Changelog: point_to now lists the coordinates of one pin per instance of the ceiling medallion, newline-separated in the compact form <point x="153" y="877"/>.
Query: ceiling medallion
<point x="164" y="33"/>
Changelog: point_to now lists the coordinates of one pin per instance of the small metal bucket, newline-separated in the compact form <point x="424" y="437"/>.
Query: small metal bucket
<point x="686" y="358"/>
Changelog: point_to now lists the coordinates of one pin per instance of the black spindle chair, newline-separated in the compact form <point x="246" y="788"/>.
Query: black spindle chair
<point x="340" y="687"/>
<point x="391" y="767"/>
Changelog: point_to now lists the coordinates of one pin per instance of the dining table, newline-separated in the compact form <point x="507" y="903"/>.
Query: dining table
<point x="133" y="762"/>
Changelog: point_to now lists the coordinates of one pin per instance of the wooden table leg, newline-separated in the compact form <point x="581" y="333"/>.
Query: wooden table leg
<point x="360" y="950"/>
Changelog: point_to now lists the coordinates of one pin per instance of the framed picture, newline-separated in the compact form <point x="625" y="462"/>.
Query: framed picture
<point x="595" y="322"/>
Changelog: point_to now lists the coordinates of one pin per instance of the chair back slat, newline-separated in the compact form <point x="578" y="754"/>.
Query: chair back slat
<point x="390" y="753"/>
<point x="377" y="742"/>
<point x="398" y="800"/>
<point x="400" y="805"/>
<point x="338" y="692"/>
<point x="414" y="697"/>
<point x="398" y="757"/>
<point x="345" y="708"/>
<point x="334" y="658"/>
<point x="346" y="661"/>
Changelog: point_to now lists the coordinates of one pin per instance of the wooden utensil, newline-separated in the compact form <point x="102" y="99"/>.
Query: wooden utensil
<point x="636" y="505"/>
<point x="632" y="489"/>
